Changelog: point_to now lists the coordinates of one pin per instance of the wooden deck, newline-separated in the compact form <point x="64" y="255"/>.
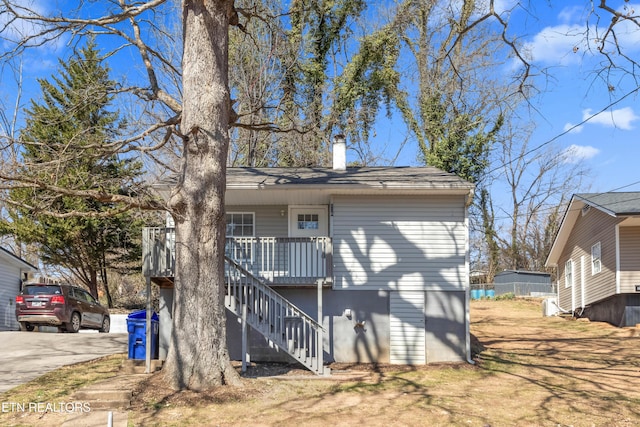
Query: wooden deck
<point x="278" y="261"/>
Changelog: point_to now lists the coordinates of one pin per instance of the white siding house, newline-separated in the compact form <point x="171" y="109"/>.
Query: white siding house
<point x="379" y="256"/>
<point x="596" y="254"/>
<point x="12" y="272"/>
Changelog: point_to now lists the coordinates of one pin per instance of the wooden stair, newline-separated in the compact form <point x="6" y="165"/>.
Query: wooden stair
<point x="277" y="319"/>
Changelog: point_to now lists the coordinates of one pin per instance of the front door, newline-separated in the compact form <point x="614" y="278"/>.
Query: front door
<point x="306" y="256"/>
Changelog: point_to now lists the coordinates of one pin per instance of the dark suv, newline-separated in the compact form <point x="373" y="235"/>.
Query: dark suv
<point x="68" y="307"/>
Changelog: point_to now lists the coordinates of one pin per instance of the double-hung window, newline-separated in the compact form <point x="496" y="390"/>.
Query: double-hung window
<point x="568" y="274"/>
<point x="239" y="226"/>
<point x="596" y="259"/>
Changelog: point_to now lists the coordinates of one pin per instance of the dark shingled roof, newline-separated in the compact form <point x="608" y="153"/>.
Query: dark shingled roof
<point x="616" y="203"/>
<point x="412" y="177"/>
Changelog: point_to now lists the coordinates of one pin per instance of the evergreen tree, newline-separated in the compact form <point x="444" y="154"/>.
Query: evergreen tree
<point x="66" y="144"/>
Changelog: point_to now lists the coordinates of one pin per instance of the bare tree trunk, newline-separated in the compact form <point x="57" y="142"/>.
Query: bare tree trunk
<point x="93" y="282"/>
<point x="198" y="358"/>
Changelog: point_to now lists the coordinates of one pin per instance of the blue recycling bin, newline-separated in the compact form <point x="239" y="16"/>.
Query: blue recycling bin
<point x="137" y="328"/>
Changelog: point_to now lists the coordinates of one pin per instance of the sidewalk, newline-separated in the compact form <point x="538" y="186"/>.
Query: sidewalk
<point x="109" y="400"/>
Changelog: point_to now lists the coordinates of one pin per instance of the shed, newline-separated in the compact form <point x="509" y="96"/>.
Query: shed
<point x="523" y="282"/>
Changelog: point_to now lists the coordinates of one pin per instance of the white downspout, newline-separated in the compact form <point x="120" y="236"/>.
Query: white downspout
<point x="467" y="293"/>
<point x="468" y="327"/>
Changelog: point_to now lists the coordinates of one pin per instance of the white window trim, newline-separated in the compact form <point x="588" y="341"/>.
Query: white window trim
<point x="567" y="283"/>
<point x="251" y="247"/>
<point x="596" y="261"/>
<point x="323" y="226"/>
<point x="253" y="214"/>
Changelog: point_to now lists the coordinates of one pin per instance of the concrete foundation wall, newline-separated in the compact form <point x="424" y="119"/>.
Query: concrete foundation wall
<point x="620" y="310"/>
<point x="357" y="326"/>
<point x="344" y="341"/>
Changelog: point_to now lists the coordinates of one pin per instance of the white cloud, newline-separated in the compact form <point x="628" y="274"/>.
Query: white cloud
<point x="571" y="14"/>
<point x="579" y="36"/>
<point x="577" y="153"/>
<point x="572" y="128"/>
<point x="559" y="45"/>
<point x="622" y="118"/>
<point x="20" y="30"/>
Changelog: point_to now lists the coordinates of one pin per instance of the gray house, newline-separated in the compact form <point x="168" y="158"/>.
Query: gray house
<point x="343" y="264"/>
<point x="596" y="252"/>
<point x="12" y="271"/>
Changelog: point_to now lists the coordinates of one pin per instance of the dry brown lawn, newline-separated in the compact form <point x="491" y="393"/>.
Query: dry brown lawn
<point x="530" y="371"/>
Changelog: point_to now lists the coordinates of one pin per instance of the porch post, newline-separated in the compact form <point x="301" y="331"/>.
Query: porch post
<point x="245" y="333"/>
<point x="320" y="333"/>
<point x="147" y="368"/>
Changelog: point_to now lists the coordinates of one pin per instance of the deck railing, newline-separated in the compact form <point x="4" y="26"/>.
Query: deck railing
<point x="276" y="260"/>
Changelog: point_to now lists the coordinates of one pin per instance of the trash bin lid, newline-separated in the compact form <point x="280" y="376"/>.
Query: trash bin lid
<point x="142" y="314"/>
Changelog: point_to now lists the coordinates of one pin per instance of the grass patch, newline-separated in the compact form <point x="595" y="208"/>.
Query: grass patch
<point x="59" y="384"/>
<point x="505" y="297"/>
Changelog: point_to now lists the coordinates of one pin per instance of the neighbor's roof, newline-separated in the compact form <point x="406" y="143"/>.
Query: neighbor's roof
<point x="536" y="273"/>
<point x="616" y="204"/>
<point x="17" y="261"/>
<point x="372" y="177"/>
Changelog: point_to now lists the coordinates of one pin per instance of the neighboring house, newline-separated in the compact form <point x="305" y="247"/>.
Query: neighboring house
<point x="386" y="248"/>
<point x="12" y="271"/>
<point x="597" y="255"/>
<point x="523" y="282"/>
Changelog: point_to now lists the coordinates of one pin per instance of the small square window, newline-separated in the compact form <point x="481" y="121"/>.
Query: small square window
<point x="308" y="222"/>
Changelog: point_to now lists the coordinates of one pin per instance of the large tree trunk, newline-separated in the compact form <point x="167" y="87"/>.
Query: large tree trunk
<point x="198" y="358"/>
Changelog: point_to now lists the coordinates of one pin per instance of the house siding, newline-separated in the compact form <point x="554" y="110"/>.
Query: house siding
<point x="629" y="259"/>
<point x="407" y="334"/>
<point x="268" y="221"/>
<point x="596" y="226"/>
<point x="398" y="243"/>
<point x="9" y="288"/>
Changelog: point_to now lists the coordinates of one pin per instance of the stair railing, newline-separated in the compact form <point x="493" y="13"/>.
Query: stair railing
<point x="273" y="316"/>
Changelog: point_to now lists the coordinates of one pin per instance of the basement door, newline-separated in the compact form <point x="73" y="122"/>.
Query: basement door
<point x="407" y="323"/>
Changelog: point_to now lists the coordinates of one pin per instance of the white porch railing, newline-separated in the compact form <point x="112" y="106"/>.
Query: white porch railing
<point x="276" y="260"/>
<point x="274" y="317"/>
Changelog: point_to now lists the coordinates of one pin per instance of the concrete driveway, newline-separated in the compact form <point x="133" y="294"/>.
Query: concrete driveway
<point x="27" y="355"/>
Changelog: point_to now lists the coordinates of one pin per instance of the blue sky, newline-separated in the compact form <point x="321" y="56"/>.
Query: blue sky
<point x="554" y="35"/>
<point x="608" y="141"/>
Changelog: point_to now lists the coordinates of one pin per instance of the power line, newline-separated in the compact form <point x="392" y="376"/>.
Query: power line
<point x="566" y="131"/>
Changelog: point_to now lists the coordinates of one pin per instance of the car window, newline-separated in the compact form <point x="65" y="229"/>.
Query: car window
<point x="42" y="290"/>
<point x="84" y="295"/>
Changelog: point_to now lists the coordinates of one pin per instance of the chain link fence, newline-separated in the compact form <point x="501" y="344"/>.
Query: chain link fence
<point x="515" y="288"/>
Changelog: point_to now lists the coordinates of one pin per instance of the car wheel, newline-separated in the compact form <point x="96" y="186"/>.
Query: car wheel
<point x="74" y="324"/>
<point x="106" y="324"/>
<point x="28" y="327"/>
